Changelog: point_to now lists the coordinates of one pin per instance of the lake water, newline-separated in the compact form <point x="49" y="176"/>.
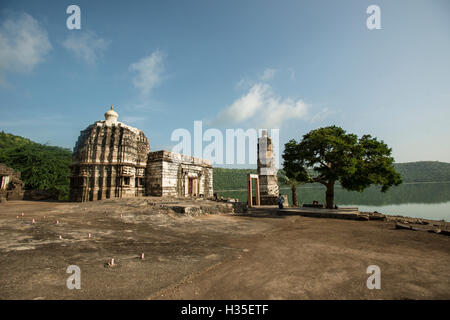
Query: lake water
<point x="419" y="200"/>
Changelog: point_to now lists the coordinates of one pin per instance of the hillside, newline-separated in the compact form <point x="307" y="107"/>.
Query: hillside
<point x="424" y="171"/>
<point x="47" y="167"/>
<point x="42" y="167"/>
<point x="229" y="179"/>
<point x="421" y="171"/>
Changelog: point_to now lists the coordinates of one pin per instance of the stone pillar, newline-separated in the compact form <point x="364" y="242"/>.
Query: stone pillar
<point x="267" y="171"/>
<point x="250" y="179"/>
<point x="258" y="192"/>
<point x="249" y="192"/>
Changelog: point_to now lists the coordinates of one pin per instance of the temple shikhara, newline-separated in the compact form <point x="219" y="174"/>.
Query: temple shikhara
<point x="113" y="160"/>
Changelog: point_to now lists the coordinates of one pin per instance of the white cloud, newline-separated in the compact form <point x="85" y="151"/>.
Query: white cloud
<point x="321" y="115"/>
<point x="148" y="72"/>
<point x="23" y="44"/>
<point x="86" y="45"/>
<point x="262" y="107"/>
<point x="246" y="106"/>
<point x="268" y="74"/>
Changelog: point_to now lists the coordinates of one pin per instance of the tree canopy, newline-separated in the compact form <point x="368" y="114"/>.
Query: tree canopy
<point x="335" y="155"/>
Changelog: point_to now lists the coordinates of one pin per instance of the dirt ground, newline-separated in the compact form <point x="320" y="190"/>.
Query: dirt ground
<point x="216" y="256"/>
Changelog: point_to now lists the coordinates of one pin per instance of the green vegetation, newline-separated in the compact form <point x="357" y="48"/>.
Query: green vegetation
<point x="421" y="171"/>
<point x="229" y="179"/>
<point x="42" y="167"/>
<point x="293" y="184"/>
<point x="406" y="193"/>
<point x="424" y="171"/>
<point x="47" y="168"/>
<point x="338" y="156"/>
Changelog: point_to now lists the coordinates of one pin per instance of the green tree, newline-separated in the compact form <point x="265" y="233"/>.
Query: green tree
<point x="42" y="167"/>
<point x="292" y="183"/>
<point x="337" y="156"/>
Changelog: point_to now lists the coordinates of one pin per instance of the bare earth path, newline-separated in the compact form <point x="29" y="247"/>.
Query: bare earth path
<point x="211" y="257"/>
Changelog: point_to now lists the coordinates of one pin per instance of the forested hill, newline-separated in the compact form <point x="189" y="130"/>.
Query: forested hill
<point x="422" y="171"/>
<point x="47" y="167"/>
<point x="42" y="167"/>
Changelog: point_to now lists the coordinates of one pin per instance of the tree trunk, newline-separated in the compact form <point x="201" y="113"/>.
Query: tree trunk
<point x="294" y="196"/>
<point x="330" y="195"/>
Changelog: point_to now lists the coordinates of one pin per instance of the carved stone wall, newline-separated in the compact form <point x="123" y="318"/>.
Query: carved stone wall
<point x="174" y="174"/>
<point x="108" y="161"/>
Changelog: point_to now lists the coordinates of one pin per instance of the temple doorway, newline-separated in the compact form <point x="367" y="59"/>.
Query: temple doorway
<point x="250" y="179"/>
<point x="192" y="186"/>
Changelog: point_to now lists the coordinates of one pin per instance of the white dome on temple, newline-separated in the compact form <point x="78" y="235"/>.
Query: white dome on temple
<point x="111" y="116"/>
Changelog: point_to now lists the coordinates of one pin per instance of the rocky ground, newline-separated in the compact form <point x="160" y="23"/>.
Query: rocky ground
<point x="196" y="254"/>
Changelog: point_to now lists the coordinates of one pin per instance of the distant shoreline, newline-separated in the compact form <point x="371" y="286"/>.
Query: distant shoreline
<point x="337" y="186"/>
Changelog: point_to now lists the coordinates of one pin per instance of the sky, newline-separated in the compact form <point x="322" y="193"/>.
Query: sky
<point x="293" y="65"/>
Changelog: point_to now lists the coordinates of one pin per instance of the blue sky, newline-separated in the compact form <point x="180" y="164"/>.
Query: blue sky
<point x="294" y="65"/>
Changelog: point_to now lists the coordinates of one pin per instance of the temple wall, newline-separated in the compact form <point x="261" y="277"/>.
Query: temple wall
<point x="173" y="174"/>
<point x="109" y="161"/>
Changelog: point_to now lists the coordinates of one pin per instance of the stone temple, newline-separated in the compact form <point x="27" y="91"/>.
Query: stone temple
<point x="113" y="160"/>
<point x="267" y="171"/>
<point x="11" y="187"/>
